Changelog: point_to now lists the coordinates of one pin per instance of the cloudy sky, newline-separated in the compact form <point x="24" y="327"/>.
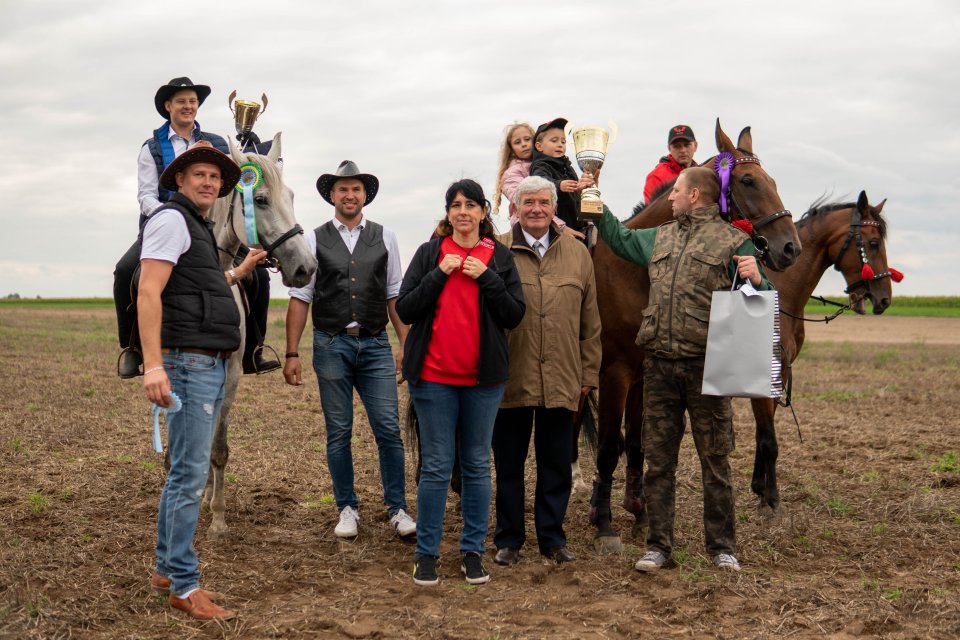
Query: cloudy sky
<point x="841" y="96"/>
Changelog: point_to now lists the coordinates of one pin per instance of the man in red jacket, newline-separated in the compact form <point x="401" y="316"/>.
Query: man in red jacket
<point x="682" y="145"/>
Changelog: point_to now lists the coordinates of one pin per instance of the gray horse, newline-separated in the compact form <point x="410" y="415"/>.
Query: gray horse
<point x="282" y="238"/>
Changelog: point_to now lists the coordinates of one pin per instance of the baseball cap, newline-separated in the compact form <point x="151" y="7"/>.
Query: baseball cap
<point x="680" y="131"/>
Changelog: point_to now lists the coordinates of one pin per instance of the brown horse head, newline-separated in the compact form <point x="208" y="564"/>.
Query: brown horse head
<point x="754" y="197"/>
<point x="868" y="232"/>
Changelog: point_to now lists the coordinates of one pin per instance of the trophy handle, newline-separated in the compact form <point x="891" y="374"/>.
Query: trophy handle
<point x="230" y="98"/>
<point x="264" y="98"/>
<point x="567" y="129"/>
<point x="614" y="130"/>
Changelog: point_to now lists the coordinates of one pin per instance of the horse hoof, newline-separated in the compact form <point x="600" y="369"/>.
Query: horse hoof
<point x="217" y="531"/>
<point x="770" y="513"/>
<point x="580" y="489"/>
<point x="607" y="544"/>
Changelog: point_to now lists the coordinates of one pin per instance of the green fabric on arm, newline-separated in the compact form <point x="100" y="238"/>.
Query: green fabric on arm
<point x="635" y="245"/>
<point x="749" y="249"/>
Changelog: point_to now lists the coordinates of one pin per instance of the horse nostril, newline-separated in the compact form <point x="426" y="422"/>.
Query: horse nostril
<point x="790" y="250"/>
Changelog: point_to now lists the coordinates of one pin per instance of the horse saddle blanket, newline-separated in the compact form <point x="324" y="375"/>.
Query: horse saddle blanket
<point x="743" y="339"/>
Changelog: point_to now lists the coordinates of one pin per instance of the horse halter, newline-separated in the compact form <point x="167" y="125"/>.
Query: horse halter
<point x="856" y="222"/>
<point x="758" y="240"/>
<point x="269" y="247"/>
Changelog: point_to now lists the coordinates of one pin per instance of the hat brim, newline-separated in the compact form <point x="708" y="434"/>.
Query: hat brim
<point x="370" y="185"/>
<point x="167" y="91"/>
<point x="556" y="123"/>
<point x="229" y="170"/>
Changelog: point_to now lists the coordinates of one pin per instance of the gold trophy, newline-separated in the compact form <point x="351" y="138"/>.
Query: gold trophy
<point x="245" y="114"/>
<point x="591" y="144"/>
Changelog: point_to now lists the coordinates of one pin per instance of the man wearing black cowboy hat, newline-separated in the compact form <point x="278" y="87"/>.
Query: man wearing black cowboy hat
<point x="189" y="324"/>
<point x="354" y="293"/>
<point x="177" y="102"/>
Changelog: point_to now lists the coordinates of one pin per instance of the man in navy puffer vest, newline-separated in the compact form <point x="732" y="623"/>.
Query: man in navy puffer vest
<point x="177" y="102"/>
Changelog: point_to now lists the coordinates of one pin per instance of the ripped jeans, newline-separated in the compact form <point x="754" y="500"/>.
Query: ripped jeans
<point x="198" y="381"/>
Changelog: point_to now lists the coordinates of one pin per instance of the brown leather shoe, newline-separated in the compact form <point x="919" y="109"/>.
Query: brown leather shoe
<point x="560" y="554"/>
<point x="198" y="605"/>
<point x="162" y="583"/>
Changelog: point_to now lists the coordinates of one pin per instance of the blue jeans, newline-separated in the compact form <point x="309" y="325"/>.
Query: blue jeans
<point x="341" y="363"/>
<point x="448" y="413"/>
<point x="198" y="382"/>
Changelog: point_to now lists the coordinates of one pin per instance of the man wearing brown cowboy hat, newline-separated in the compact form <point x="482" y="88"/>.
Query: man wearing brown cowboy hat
<point x="189" y="325"/>
<point x="353" y="294"/>
<point x="177" y="102"/>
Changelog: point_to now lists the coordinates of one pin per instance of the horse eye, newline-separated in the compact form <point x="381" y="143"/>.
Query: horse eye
<point x="875" y="245"/>
<point x="261" y="200"/>
<point x="746" y="180"/>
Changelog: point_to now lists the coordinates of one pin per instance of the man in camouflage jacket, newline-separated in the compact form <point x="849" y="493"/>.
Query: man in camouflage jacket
<point x="688" y="259"/>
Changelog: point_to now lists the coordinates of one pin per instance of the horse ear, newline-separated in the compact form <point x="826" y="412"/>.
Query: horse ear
<point x="862" y="204"/>
<point x="274" y="153"/>
<point x="239" y="159"/>
<point x="879" y="207"/>
<point x="723" y="142"/>
<point x="745" y="141"/>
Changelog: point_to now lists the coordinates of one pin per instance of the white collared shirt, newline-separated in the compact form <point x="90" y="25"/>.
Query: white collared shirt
<point x="350" y="237"/>
<point x="545" y="240"/>
<point x="148" y="180"/>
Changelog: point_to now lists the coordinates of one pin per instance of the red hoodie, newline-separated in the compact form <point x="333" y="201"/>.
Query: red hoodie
<point x="666" y="170"/>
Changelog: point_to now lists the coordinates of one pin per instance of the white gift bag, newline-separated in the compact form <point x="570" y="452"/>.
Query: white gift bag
<point x="743" y="337"/>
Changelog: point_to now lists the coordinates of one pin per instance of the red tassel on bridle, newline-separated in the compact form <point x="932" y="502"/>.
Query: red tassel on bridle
<point x="866" y="273"/>
<point x="895" y="275"/>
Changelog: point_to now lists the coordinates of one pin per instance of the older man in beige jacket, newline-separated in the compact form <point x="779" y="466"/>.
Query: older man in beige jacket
<point x="554" y="360"/>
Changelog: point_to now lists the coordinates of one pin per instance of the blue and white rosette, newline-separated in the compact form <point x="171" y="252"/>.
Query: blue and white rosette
<point x="175" y="405"/>
<point x="251" y="177"/>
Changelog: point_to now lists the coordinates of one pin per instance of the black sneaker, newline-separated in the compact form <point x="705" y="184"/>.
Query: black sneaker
<point x="425" y="571"/>
<point x="472" y="568"/>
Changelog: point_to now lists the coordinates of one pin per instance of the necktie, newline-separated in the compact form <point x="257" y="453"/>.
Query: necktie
<point x="538" y="247"/>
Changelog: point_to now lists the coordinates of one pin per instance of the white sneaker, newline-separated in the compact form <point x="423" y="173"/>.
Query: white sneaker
<point x="726" y="561"/>
<point x="650" y="562"/>
<point x="347" y="527"/>
<point x="403" y="523"/>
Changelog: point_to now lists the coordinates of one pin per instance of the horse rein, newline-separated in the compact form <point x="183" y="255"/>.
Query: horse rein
<point x="856" y="222"/>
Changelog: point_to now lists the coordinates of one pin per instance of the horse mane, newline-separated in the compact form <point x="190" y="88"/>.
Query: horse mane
<point x="638" y="208"/>
<point x="823" y="205"/>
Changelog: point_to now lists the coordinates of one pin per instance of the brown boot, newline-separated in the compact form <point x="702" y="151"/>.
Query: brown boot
<point x="162" y="583"/>
<point x="198" y="605"/>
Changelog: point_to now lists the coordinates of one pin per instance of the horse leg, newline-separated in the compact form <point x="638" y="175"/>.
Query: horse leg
<point x="633" y="490"/>
<point x="579" y="486"/>
<point x="764" y="482"/>
<point x="220" y="450"/>
<point x="609" y="448"/>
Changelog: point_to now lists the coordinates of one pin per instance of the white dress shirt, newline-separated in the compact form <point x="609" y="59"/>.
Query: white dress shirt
<point x="544" y="241"/>
<point x="350" y="237"/>
<point x="148" y="180"/>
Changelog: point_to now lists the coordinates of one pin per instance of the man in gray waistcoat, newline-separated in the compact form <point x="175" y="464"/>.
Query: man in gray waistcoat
<point x="353" y="294"/>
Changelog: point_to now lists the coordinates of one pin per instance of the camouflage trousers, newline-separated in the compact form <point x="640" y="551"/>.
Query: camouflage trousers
<point x="670" y="388"/>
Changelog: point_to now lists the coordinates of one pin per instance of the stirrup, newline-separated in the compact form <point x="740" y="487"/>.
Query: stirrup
<point x="128" y="373"/>
<point x="253" y="361"/>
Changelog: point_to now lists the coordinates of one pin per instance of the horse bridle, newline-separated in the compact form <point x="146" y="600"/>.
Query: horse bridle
<point x="269" y="247"/>
<point x="758" y="240"/>
<point x="856" y="222"/>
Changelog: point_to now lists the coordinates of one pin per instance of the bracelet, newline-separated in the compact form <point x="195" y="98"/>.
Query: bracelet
<point x="292" y="354"/>
<point x="152" y="370"/>
<point x="233" y="277"/>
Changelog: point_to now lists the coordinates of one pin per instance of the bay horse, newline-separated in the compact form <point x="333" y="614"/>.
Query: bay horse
<point x="845" y="236"/>
<point x="282" y="238"/>
<point x="622" y="291"/>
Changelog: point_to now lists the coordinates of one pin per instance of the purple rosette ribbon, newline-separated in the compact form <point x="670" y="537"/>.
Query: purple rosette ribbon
<point x="723" y="165"/>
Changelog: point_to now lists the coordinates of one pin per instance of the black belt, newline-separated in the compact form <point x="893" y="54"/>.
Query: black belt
<point x="357" y="331"/>
<point x="222" y="355"/>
